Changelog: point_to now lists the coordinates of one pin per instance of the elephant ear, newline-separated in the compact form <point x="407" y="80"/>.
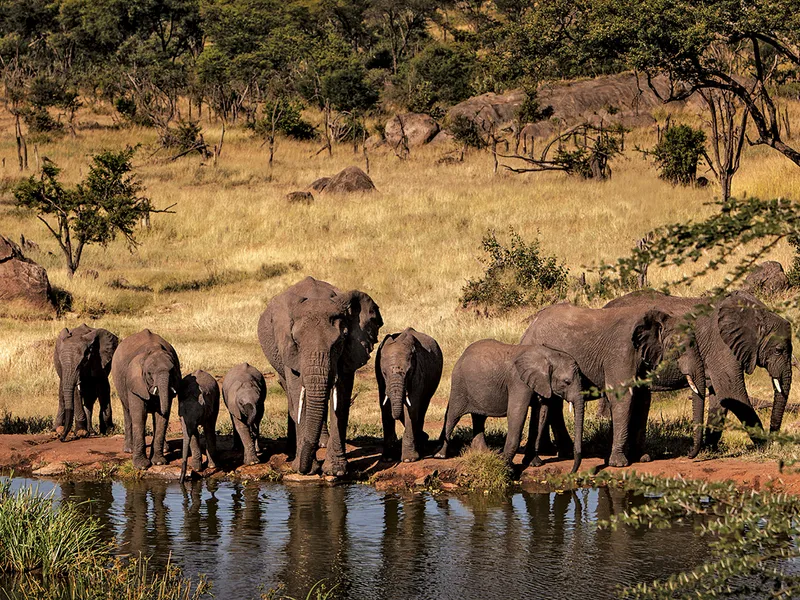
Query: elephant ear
<point x="648" y="337"/>
<point x="364" y="323"/>
<point x="739" y="320"/>
<point x="135" y="379"/>
<point x="535" y="370"/>
<point x="107" y="344"/>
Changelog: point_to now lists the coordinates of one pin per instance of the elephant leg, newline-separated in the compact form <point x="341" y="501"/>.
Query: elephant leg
<point x="84" y="404"/>
<point x="409" y="452"/>
<point x="159" y="438"/>
<point x="560" y="432"/>
<point x="324" y="436"/>
<point x="517" y="413"/>
<point x="748" y="416"/>
<point x="640" y="410"/>
<point x="210" y="433"/>
<point x="250" y="455"/>
<point x="620" y="418"/>
<point x="335" y="461"/>
<point x="453" y="414"/>
<point x="543" y="444"/>
<point x="537" y="424"/>
<point x="140" y="460"/>
<point x="479" y="432"/>
<point x="58" y="423"/>
<point x="603" y="408"/>
<point x="389" y="432"/>
<point x="237" y="439"/>
<point x="197" y="454"/>
<point x="106" y="421"/>
<point x="128" y="427"/>
<point x="715" y="422"/>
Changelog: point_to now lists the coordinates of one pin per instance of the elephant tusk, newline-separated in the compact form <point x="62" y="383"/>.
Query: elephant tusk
<point x="571" y="409"/>
<point x="79" y="386"/>
<point x="335" y="399"/>
<point x="408" y="402"/>
<point x="777" y="385"/>
<point x="173" y="391"/>
<point x="692" y="385"/>
<point x="300" y="409"/>
<point x="385" y="400"/>
<point x="154" y="391"/>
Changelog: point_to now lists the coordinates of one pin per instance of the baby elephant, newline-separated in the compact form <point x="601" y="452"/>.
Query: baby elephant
<point x="408" y="367"/>
<point x="492" y="379"/>
<point x="198" y="404"/>
<point x="244" y="391"/>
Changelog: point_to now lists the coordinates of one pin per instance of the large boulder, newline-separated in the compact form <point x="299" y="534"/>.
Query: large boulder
<point x="22" y="281"/>
<point x="767" y="278"/>
<point x="349" y="180"/>
<point x="612" y="99"/>
<point x="419" y="129"/>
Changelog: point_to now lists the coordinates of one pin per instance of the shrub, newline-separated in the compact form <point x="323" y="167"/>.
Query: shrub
<point x="515" y="276"/>
<point x="348" y="88"/>
<point x="24" y="425"/>
<point x="289" y="120"/>
<point x="466" y="132"/>
<point x="439" y="74"/>
<point x="39" y="120"/>
<point x="678" y="152"/>
<point x="185" y="136"/>
<point x="793" y="274"/>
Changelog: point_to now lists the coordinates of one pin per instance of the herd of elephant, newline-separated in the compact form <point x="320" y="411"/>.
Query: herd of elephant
<point x="316" y="337"/>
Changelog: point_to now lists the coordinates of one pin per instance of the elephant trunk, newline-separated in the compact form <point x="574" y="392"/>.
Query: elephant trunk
<point x="577" y="405"/>
<point x="781" y="388"/>
<point x="186" y="440"/>
<point x="698" y="385"/>
<point x="396" y="390"/>
<point x="68" y="393"/>
<point x="162" y="382"/>
<point x="249" y="414"/>
<point x="317" y="384"/>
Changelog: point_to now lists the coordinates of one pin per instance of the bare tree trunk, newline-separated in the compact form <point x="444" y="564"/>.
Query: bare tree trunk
<point x="22" y="147"/>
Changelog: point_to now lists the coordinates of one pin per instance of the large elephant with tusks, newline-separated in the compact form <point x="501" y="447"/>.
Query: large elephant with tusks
<point x="316" y="337"/>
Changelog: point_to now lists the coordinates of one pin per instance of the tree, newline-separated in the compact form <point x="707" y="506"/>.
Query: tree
<point x="683" y="40"/>
<point x="106" y="203"/>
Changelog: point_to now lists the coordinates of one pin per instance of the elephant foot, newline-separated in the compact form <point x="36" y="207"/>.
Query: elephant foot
<point x="211" y="463"/>
<point x="141" y="463"/>
<point x="251" y="459"/>
<point x="159" y="459"/>
<point x="126" y="449"/>
<point x="547" y="448"/>
<point x="323" y="440"/>
<point x="59" y="430"/>
<point x="387" y="456"/>
<point x="315" y="466"/>
<point x="618" y="460"/>
<point x="441" y="452"/>
<point x="197" y="466"/>
<point x="410" y="456"/>
<point x="536" y="462"/>
<point x="81" y="433"/>
<point x="566" y="454"/>
<point x="645" y="458"/>
<point x="337" y="468"/>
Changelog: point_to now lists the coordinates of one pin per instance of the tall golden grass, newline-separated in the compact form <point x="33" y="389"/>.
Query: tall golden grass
<point x="411" y="246"/>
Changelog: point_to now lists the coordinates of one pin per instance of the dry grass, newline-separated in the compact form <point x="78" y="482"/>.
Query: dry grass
<point x="214" y="264"/>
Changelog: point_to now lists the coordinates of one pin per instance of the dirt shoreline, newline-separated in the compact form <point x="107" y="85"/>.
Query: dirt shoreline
<point x="94" y="458"/>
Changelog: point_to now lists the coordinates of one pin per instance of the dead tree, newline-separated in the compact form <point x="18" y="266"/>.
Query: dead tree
<point x="728" y="124"/>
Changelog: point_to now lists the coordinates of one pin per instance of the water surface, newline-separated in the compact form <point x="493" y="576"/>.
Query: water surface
<point x="256" y="536"/>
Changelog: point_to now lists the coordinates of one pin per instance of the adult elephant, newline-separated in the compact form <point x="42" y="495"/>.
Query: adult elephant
<point x="612" y="348"/>
<point x="316" y="337"/>
<point x="734" y="334"/>
<point x="146" y="373"/>
<point x="83" y="362"/>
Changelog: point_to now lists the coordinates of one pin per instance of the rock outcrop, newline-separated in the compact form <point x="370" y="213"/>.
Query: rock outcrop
<point x="347" y="181"/>
<point x="767" y="278"/>
<point x="418" y="130"/>
<point x="22" y="280"/>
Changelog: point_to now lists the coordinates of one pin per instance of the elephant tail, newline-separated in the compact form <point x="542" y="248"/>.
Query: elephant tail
<point x="444" y="424"/>
<point x="185" y="458"/>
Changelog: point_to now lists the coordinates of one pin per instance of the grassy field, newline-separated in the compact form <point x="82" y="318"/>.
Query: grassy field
<point x="205" y="273"/>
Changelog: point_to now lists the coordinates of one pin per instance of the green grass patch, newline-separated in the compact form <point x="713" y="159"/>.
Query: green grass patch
<point x="484" y="471"/>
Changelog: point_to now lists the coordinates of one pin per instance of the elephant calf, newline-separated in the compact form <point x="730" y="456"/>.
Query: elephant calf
<point x="493" y="379"/>
<point x="198" y="404"/>
<point x="408" y="367"/>
<point x="244" y="391"/>
<point x="83" y="361"/>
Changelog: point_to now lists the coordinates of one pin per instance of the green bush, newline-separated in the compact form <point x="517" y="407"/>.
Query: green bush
<point x="289" y="120"/>
<point x="515" y="276"/>
<point x="39" y="120"/>
<point x="183" y="137"/>
<point x="348" y="88"/>
<point x="466" y="132"/>
<point x="678" y="152"/>
<point x="793" y="274"/>
<point x="440" y="74"/>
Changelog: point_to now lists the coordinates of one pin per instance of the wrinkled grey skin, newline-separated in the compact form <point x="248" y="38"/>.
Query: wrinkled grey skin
<point x="245" y="391"/>
<point x="408" y="367"/>
<point x="493" y="379"/>
<point x="612" y="347"/>
<point x="198" y="406"/>
<point x="83" y="362"/>
<point x="734" y="336"/>
<point x="147" y="374"/>
<point x="316" y="337"/>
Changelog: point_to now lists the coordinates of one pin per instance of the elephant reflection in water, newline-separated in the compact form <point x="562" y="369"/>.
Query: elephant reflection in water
<point x="197" y="528"/>
<point x="318" y="546"/>
<point x="146" y="528"/>
<point x="248" y="515"/>
<point x="405" y="544"/>
<point x="98" y="500"/>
